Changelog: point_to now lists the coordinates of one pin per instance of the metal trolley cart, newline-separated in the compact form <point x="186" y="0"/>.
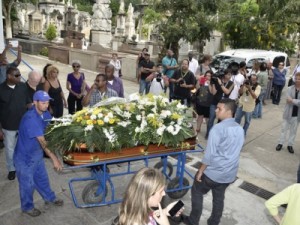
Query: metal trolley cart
<point x="95" y="192"/>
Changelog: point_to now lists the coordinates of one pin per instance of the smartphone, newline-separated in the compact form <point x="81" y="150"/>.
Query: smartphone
<point x="176" y="208"/>
<point x="14" y="43"/>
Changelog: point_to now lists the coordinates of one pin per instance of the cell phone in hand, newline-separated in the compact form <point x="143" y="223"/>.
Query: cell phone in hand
<point x="14" y="43"/>
<point x="174" y="210"/>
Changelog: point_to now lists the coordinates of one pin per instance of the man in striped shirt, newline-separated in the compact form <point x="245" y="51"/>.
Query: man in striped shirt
<point x="98" y="91"/>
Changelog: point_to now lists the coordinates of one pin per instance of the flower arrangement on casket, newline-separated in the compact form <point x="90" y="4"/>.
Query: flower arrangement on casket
<point x="113" y="125"/>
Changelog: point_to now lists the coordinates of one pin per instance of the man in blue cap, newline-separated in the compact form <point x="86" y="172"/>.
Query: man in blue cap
<point x="28" y="156"/>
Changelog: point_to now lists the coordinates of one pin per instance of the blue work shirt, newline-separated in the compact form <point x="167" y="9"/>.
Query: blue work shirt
<point x="222" y="154"/>
<point x="166" y="61"/>
<point x="28" y="149"/>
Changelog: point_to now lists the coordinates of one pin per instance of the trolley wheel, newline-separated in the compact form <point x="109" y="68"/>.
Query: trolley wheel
<point x="169" y="169"/>
<point x="89" y="193"/>
<point x="173" y="184"/>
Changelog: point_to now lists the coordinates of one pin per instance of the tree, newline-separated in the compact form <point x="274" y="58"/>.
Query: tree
<point x="51" y="32"/>
<point x="7" y="6"/>
<point x="268" y="24"/>
<point x="189" y="20"/>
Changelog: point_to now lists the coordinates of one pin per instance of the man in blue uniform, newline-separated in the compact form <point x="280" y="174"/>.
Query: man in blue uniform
<point x="28" y="156"/>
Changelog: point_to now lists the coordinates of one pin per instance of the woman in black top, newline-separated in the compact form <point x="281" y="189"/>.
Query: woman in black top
<point x="52" y="86"/>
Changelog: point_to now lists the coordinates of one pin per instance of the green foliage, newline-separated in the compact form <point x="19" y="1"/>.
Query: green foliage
<point x="44" y="51"/>
<point x="189" y="20"/>
<point x="147" y="120"/>
<point x="268" y="24"/>
<point x="84" y="5"/>
<point x="51" y="32"/>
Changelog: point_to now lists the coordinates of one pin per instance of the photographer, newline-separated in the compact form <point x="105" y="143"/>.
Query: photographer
<point x="184" y="81"/>
<point x="220" y="87"/>
<point x="249" y="92"/>
<point x="158" y="81"/>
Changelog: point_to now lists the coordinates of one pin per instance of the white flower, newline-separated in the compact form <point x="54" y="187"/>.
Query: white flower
<point x="143" y="124"/>
<point x="177" y="129"/>
<point x="137" y="130"/>
<point x="134" y="97"/>
<point x="179" y="121"/>
<point x="110" y="135"/>
<point x="170" y="129"/>
<point x="138" y="117"/>
<point x="127" y="114"/>
<point x="100" y="115"/>
<point x="150" y="115"/>
<point x="93" y="117"/>
<point x="140" y="107"/>
<point x="161" y="130"/>
<point x="89" y="127"/>
<point x="180" y="106"/>
<point x="106" y="119"/>
<point x="124" y="123"/>
<point x="110" y="115"/>
<point x="154" y="110"/>
<point x="165" y="113"/>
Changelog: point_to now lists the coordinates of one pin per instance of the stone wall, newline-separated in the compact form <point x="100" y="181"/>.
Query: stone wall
<point x="32" y="47"/>
<point x="59" y="53"/>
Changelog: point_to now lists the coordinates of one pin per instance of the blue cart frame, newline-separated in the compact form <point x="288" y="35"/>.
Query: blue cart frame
<point x="101" y="174"/>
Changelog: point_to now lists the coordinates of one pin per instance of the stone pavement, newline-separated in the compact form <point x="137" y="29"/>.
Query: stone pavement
<point x="260" y="165"/>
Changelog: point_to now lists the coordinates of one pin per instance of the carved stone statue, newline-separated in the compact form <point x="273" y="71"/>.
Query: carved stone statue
<point x="130" y="23"/>
<point x="101" y="19"/>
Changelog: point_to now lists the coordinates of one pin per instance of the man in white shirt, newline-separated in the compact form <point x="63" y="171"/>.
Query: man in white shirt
<point x="237" y="79"/>
<point x="158" y="81"/>
<point x="193" y="64"/>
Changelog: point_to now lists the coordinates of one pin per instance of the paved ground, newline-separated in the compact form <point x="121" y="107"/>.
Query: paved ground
<point x="260" y="165"/>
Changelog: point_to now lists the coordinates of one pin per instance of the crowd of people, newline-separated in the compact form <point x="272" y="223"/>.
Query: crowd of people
<point x="228" y="96"/>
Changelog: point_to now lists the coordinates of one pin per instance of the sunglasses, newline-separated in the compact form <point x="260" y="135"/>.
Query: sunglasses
<point x="76" y="66"/>
<point x="17" y="75"/>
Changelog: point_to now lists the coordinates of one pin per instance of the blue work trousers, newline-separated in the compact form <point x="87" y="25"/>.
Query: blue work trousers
<point x="32" y="176"/>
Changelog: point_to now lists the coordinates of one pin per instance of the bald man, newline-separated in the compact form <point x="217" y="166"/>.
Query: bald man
<point x="34" y="78"/>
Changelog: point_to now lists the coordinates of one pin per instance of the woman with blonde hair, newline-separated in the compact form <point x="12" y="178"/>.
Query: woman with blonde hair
<point x="52" y="86"/>
<point x="144" y="192"/>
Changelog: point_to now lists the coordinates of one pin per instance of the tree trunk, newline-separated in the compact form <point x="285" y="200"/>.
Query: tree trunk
<point x="8" y="27"/>
<point x="6" y="8"/>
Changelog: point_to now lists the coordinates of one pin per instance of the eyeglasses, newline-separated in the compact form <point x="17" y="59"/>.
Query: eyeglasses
<point x="76" y="66"/>
<point x="17" y="75"/>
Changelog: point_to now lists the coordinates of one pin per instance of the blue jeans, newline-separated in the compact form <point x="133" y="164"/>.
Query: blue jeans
<point x="277" y="89"/>
<point x="257" y="113"/>
<point x="201" y="188"/>
<point x="10" y="140"/>
<point x="144" y="87"/>
<point x="212" y="117"/>
<point x="171" y="91"/>
<point x="247" y="115"/>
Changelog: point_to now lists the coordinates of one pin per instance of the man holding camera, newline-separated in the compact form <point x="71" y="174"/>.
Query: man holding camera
<point x="220" y="87"/>
<point x="158" y="81"/>
<point x="249" y="92"/>
<point x="184" y="81"/>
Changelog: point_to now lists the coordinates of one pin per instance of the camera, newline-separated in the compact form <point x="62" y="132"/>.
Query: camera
<point x="181" y="82"/>
<point x="219" y="74"/>
<point x="158" y="77"/>
<point x="247" y="82"/>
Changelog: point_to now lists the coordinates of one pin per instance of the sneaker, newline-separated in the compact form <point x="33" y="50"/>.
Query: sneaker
<point x="34" y="212"/>
<point x="11" y="175"/>
<point x="56" y="202"/>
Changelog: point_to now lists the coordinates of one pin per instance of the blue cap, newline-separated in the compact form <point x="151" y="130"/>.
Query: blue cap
<point x="41" y="96"/>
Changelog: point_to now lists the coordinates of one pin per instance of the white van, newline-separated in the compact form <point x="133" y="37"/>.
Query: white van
<point x="223" y="59"/>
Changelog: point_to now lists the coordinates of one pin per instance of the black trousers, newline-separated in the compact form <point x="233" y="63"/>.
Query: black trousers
<point x="74" y="104"/>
